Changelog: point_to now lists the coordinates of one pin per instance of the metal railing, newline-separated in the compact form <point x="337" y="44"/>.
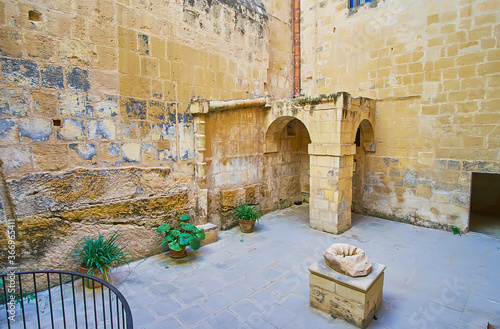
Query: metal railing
<point x="61" y="299"/>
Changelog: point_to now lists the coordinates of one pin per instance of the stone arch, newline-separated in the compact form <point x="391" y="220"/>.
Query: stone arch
<point x="274" y="130"/>
<point x="287" y="162"/>
<point x="365" y="125"/>
<point x="366" y="144"/>
<point x="331" y="121"/>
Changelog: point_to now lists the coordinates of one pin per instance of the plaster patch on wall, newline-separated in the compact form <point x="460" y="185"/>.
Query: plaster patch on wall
<point x="86" y="151"/>
<point x="156" y="132"/>
<point x="101" y="128"/>
<point x="72" y="103"/>
<point x="37" y="129"/>
<point x="133" y="108"/>
<point x="8" y="132"/>
<point x="131" y="152"/>
<point x="107" y="108"/>
<point x="114" y="149"/>
<point x="149" y="153"/>
<point x="167" y="151"/>
<point x="71" y="130"/>
<point x="20" y="72"/>
<point x="16" y="158"/>
<point x="52" y="77"/>
<point x="14" y="102"/>
<point x="430" y="90"/>
<point x="78" y="79"/>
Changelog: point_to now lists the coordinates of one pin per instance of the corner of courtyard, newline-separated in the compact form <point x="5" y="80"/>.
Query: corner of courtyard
<point x="433" y="279"/>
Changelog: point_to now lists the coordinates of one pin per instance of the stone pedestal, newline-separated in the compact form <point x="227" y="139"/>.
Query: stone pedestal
<point x="355" y="300"/>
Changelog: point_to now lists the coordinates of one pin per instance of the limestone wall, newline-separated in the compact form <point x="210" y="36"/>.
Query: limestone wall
<point x="434" y="68"/>
<point x="95" y="130"/>
<point x="280" y="72"/>
<point x="234" y="158"/>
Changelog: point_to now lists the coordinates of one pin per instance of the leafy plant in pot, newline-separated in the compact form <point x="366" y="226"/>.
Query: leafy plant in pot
<point x="97" y="256"/>
<point x="178" y="237"/>
<point x="247" y="216"/>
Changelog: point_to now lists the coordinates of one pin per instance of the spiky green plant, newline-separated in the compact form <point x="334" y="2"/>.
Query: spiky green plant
<point x="99" y="254"/>
<point x="244" y="211"/>
<point x="182" y="235"/>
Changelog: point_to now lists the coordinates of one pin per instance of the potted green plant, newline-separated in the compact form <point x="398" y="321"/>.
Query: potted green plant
<point x="96" y="256"/>
<point x="247" y="216"/>
<point x="179" y="236"/>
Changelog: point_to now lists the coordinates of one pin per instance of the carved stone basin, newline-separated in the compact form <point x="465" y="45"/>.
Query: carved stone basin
<point x="347" y="259"/>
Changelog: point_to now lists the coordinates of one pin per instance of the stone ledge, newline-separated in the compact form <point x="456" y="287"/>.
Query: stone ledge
<point x="334" y="149"/>
<point x="211" y="233"/>
<point x="359" y="283"/>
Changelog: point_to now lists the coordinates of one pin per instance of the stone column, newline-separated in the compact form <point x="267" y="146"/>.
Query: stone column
<point x="331" y="168"/>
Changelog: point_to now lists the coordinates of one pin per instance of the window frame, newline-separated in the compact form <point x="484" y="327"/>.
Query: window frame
<point x="357" y="3"/>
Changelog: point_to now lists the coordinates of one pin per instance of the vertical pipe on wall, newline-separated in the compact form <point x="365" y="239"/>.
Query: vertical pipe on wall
<point x="296" y="47"/>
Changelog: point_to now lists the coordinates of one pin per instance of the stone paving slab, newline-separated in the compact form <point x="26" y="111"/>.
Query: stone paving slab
<point x="260" y="280"/>
<point x="433" y="279"/>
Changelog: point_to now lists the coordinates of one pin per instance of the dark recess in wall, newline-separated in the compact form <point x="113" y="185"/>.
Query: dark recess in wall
<point x="485" y="203"/>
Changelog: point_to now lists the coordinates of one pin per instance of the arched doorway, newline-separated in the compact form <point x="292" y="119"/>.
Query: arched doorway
<point x="364" y="141"/>
<point x="286" y="163"/>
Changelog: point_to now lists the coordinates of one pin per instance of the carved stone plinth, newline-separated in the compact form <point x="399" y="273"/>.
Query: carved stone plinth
<point x="354" y="299"/>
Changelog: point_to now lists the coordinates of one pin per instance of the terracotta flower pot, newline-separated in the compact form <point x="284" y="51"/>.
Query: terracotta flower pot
<point x="97" y="274"/>
<point x="178" y="254"/>
<point x="246" y="226"/>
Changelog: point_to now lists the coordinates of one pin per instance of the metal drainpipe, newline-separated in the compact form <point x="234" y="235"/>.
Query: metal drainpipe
<point x="296" y="47"/>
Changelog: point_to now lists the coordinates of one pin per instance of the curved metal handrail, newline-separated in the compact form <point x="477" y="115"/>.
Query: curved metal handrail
<point x="127" y="320"/>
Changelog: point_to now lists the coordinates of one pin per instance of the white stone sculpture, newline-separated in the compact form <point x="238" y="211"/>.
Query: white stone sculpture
<point x="347" y="259"/>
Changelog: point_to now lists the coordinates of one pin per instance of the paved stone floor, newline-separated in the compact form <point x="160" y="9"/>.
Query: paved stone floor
<point x="434" y="279"/>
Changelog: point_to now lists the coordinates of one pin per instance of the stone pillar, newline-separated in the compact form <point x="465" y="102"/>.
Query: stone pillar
<point x="199" y="109"/>
<point x="201" y="168"/>
<point x="331" y="168"/>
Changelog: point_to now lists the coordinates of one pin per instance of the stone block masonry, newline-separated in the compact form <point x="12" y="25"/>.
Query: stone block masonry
<point x="103" y="90"/>
<point x="273" y="154"/>
<point x="434" y="69"/>
<point x="355" y="300"/>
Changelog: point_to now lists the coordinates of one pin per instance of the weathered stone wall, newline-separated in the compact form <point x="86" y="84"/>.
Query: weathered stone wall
<point x="235" y="162"/>
<point x="95" y="132"/>
<point x="434" y="67"/>
<point x="280" y="71"/>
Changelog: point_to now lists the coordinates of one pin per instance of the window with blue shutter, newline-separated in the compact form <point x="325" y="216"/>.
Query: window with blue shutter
<point x="355" y="3"/>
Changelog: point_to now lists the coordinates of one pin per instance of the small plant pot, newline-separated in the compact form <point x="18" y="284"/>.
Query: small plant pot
<point x="178" y="254"/>
<point x="246" y="226"/>
<point x="97" y="274"/>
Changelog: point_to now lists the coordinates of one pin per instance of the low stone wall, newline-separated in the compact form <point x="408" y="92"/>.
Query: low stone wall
<point x="56" y="211"/>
